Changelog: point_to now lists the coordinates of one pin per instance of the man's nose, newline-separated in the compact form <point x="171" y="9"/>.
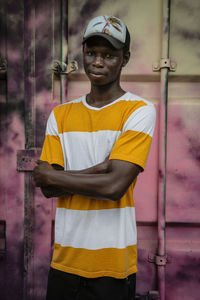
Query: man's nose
<point x="98" y="61"/>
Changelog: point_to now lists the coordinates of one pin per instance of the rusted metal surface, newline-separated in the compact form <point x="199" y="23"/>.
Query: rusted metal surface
<point x="29" y="91"/>
<point x="11" y="139"/>
<point x="38" y="104"/>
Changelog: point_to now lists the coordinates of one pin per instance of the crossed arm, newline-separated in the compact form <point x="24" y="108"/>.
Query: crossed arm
<point x="108" y="180"/>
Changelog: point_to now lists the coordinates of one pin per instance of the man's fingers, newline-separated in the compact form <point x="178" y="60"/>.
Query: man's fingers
<point x="38" y="161"/>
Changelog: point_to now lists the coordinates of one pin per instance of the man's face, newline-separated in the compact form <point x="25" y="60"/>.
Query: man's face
<point x="102" y="62"/>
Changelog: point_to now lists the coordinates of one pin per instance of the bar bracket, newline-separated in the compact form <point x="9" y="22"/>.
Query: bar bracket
<point x="165" y="63"/>
<point x="61" y="68"/>
<point x="158" y="260"/>
<point x="26" y="159"/>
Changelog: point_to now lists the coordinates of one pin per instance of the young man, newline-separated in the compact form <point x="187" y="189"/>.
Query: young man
<point x="94" y="148"/>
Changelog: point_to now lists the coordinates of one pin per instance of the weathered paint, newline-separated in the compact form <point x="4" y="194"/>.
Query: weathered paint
<point x="185" y="36"/>
<point x="11" y="139"/>
<point x="30" y="89"/>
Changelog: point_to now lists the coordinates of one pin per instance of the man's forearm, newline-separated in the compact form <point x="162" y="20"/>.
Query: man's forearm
<point x="106" y="186"/>
<point x="90" y="185"/>
<point x="109" y="185"/>
<point x="97" y="169"/>
<point x="52" y="191"/>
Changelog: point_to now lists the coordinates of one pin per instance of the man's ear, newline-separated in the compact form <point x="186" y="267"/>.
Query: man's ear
<point x="126" y="58"/>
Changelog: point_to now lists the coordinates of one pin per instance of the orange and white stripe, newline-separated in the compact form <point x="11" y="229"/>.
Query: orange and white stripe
<point x="96" y="237"/>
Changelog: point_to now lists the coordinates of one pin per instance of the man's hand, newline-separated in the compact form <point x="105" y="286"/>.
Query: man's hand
<point x="41" y="172"/>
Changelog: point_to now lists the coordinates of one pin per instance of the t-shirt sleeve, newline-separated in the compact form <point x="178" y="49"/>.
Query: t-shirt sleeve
<point x="134" y="143"/>
<point x="52" y="148"/>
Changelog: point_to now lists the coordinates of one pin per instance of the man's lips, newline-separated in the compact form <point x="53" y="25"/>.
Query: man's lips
<point x="96" y="74"/>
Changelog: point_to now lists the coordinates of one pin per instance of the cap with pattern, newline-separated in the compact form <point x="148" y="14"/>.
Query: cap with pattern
<point x="111" y="28"/>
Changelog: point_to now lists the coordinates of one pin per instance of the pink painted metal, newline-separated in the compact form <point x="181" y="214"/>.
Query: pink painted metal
<point x="28" y="92"/>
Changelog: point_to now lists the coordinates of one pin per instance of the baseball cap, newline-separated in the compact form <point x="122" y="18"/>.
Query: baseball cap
<point x="111" y="28"/>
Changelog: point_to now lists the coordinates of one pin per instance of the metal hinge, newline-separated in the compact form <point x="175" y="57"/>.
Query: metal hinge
<point x="3" y="66"/>
<point x="2" y="239"/>
<point x="158" y="260"/>
<point x="61" y="68"/>
<point x="151" y="295"/>
<point x="26" y="159"/>
<point x="165" y="63"/>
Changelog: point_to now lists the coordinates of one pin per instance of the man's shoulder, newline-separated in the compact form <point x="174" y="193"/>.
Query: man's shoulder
<point x="139" y="108"/>
<point x="136" y="98"/>
<point x="65" y="105"/>
<point x="62" y="108"/>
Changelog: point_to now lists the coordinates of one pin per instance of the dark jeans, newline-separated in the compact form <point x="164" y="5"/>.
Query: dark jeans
<point x="65" y="286"/>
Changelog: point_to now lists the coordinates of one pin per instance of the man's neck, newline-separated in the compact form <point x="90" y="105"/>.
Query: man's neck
<point x="100" y="96"/>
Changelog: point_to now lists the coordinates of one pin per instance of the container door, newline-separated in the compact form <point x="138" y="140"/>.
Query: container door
<point x="34" y="36"/>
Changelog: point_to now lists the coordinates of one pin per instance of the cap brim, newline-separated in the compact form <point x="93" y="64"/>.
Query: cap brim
<point x="115" y="43"/>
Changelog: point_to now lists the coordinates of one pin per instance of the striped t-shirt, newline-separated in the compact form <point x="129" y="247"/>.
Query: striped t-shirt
<point x="95" y="238"/>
